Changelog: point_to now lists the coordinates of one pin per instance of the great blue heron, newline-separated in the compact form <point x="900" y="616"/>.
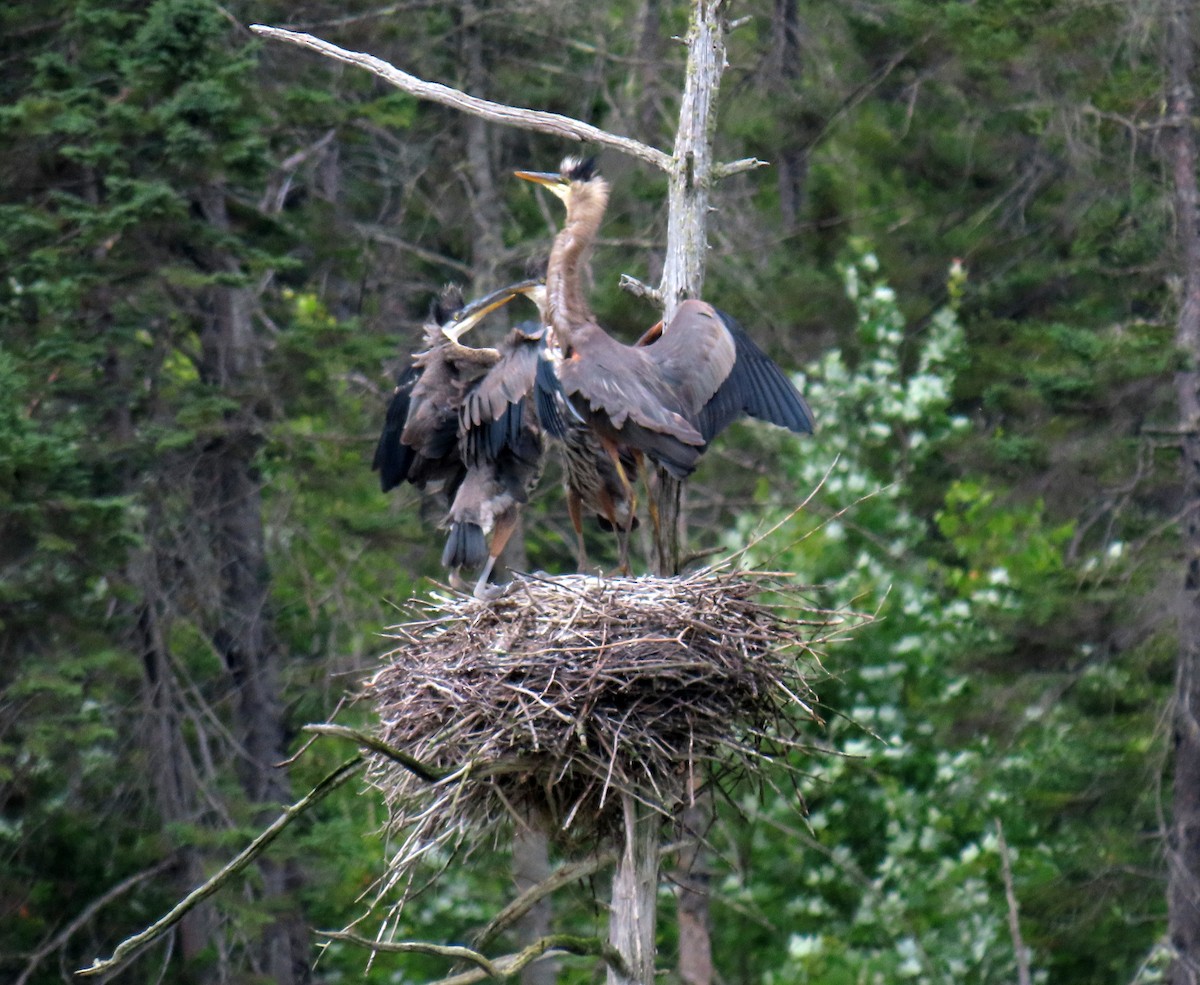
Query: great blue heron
<point x="671" y="394"/>
<point x="458" y="424"/>
<point x="500" y="443"/>
<point x="592" y="482"/>
<point x="419" y="440"/>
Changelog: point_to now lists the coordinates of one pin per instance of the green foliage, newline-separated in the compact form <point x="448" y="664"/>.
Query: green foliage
<point x="987" y="482"/>
<point x="895" y="872"/>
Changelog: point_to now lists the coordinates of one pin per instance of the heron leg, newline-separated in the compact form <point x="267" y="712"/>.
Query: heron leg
<point x="505" y="525"/>
<point x="481" y="586"/>
<point x="575" y="511"/>
<point x="623" y="548"/>
<point x="651" y="498"/>
<point x="614" y="453"/>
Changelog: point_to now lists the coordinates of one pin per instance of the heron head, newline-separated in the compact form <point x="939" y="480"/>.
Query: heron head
<point x="573" y="176"/>
<point x="466" y="318"/>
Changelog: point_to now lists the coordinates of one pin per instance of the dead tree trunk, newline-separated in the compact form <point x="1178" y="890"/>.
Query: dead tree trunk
<point x="691" y="178"/>
<point x="683" y="277"/>
<point x="531" y="867"/>
<point x="1183" y="841"/>
<point x="632" y="916"/>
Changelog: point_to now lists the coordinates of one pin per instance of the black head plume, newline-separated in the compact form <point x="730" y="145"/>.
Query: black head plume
<point x="447" y="304"/>
<point x="577" y="169"/>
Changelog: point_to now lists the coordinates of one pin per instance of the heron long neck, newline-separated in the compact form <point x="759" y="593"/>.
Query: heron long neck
<point x="567" y="307"/>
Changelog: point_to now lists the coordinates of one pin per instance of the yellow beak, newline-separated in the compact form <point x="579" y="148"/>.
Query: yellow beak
<point x="470" y="316"/>
<point x="547" y="179"/>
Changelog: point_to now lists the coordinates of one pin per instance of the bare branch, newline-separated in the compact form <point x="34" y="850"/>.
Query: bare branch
<point x="639" y="289"/>
<point x="427" y="773"/>
<point x="527" y="119"/>
<point x="1014" y="917"/>
<point x="380" y="235"/>
<point x="500" y="968"/>
<point x="720" y="171"/>
<point x="563" y="876"/>
<point x="132" y="946"/>
<point x="451" y="951"/>
<point x="89" y="911"/>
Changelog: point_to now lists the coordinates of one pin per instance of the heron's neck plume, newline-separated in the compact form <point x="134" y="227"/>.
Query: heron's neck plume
<point x="566" y="300"/>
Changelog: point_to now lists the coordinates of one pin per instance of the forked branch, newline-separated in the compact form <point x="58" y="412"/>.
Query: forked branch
<point x="563" y="876"/>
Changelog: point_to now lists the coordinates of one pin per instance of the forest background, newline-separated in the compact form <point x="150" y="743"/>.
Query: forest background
<point x="214" y="254"/>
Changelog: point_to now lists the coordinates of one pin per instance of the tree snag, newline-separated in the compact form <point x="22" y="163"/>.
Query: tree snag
<point x="691" y="171"/>
<point x="1183" y="837"/>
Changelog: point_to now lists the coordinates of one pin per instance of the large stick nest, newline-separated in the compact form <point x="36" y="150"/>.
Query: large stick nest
<point x="548" y="702"/>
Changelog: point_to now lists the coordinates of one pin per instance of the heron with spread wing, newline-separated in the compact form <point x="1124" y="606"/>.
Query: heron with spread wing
<point x="676" y="390"/>
<point x="591" y="479"/>
<point x="461" y="422"/>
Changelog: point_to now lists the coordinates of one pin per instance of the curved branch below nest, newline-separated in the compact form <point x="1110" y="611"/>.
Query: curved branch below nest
<point x="419" y="769"/>
<point x="132" y="946"/>
<point x="513" y="116"/>
<point x="504" y="967"/>
<point x="563" y="876"/>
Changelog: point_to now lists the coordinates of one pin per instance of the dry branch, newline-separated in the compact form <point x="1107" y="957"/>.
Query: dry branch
<point x="496" y="969"/>
<point x="567" y="695"/>
<point x="373" y="743"/>
<point x="60" y="939"/>
<point x="132" y="946"/>
<point x="513" y="116"/>
<point x="1020" y="951"/>
<point x="563" y="876"/>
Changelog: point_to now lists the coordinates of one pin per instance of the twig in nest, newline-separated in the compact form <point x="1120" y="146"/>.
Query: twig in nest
<point x="564" y="689"/>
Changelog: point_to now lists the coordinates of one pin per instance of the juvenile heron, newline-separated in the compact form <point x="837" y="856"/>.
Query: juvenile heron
<point x="501" y="446"/>
<point x="592" y="481"/>
<point x="458" y="424"/>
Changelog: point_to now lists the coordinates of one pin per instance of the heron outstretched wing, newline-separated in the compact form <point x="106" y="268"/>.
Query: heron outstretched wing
<point x="722" y="374"/>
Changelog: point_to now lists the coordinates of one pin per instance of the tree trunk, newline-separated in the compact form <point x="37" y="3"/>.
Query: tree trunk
<point x="647" y="118"/>
<point x="691" y="881"/>
<point x="1183" y="841"/>
<point x="687" y="229"/>
<point x="791" y="165"/>
<point x="683" y="277"/>
<point x="487" y="219"/>
<point x="228" y="495"/>
<point x="631" y="923"/>
<point x="531" y="866"/>
<point x="169" y="761"/>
